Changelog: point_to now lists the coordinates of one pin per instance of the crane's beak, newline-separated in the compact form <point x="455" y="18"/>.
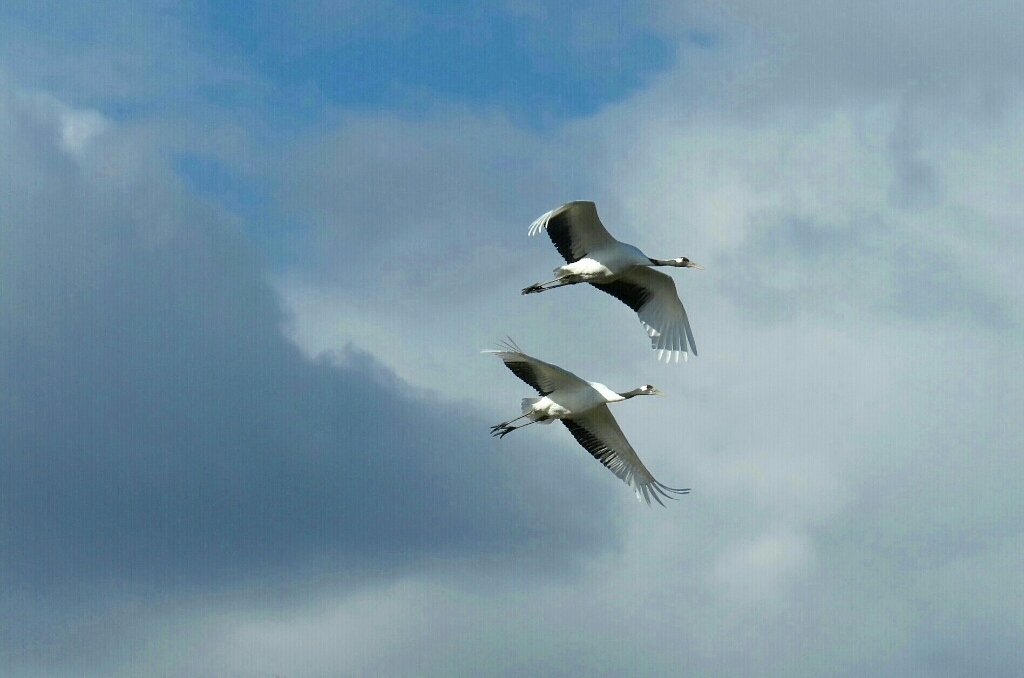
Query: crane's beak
<point x="694" y="264"/>
<point x="655" y="391"/>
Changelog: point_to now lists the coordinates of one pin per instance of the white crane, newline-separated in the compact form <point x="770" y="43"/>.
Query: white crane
<point x="592" y="255"/>
<point x="583" y="407"/>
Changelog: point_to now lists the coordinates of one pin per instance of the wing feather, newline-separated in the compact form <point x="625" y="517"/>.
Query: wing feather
<point x="599" y="433"/>
<point x="544" y="377"/>
<point x="574" y="228"/>
<point x="653" y="296"/>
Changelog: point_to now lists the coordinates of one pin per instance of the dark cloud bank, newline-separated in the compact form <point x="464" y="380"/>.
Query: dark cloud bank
<point x="159" y="434"/>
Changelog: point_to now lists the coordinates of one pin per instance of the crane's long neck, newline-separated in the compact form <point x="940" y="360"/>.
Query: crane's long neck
<point x="630" y="394"/>
<point x="661" y="262"/>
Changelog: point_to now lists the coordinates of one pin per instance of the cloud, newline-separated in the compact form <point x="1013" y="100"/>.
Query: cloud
<point x="793" y="267"/>
<point x="845" y="428"/>
<point x="814" y="53"/>
<point x="129" y="57"/>
<point x="415" y="243"/>
<point x="760" y="568"/>
<point x="811" y="212"/>
<point x="915" y="184"/>
<point x="850" y="428"/>
<point x="161" y="435"/>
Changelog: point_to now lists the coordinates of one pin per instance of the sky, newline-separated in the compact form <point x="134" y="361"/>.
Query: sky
<point x="250" y="254"/>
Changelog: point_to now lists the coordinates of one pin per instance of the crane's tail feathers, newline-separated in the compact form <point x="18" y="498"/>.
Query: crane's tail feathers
<point x="528" y="403"/>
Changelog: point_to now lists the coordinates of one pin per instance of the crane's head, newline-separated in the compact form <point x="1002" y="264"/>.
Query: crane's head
<point x="682" y="262"/>
<point x="643" y="390"/>
<point x="685" y="263"/>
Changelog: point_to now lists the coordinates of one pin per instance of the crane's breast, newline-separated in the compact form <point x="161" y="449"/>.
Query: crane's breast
<point x="586" y="269"/>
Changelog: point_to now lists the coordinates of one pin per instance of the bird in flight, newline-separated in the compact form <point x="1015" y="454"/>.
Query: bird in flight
<point x="583" y="407"/>
<point x="593" y="256"/>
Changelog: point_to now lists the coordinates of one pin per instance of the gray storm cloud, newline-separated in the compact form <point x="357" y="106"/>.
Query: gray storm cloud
<point x="159" y="432"/>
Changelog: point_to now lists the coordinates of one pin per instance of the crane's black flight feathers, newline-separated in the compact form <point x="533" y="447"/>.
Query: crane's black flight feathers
<point x="634" y="296"/>
<point x="560" y="232"/>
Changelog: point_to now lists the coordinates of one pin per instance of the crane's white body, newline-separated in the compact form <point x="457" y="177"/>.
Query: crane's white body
<point x="604" y="264"/>
<point x="593" y="256"/>
<point x="569" y="402"/>
<point x="582" y="406"/>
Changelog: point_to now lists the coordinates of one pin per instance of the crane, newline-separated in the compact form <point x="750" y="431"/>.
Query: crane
<point x="582" y="406"/>
<point x="593" y="256"/>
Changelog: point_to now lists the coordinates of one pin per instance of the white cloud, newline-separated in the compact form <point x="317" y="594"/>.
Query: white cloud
<point x="837" y="450"/>
<point x="79" y="127"/>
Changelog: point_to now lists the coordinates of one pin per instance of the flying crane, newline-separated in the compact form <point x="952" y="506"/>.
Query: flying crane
<point x="593" y="256"/>
<point x="582" y="406"/>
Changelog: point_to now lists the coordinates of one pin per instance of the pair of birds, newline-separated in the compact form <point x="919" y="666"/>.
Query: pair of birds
<point x="593" y="256"/>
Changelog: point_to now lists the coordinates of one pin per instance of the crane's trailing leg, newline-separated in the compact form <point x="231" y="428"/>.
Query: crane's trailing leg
<point x="549" y="285"/>
<point x="505" y="424"/>
<point x="502" y="430"/>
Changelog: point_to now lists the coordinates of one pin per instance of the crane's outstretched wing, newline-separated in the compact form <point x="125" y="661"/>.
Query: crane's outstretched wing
<point x="544" y="377"/>
<point x="597" y="431"/>
<point x="653" y="296"/>
<point x="574" y="228"/>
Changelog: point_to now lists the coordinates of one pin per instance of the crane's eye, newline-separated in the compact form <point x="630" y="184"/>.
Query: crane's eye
<point x="649" y="387"/>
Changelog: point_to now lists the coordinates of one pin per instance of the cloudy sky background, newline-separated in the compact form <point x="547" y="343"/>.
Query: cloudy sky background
<point x="249" y="254"/>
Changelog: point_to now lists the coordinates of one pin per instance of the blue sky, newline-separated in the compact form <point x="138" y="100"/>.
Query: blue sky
<point x="406" y="56"/>
<point x="289" y="64"/>
<point x="250" y="254"/>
